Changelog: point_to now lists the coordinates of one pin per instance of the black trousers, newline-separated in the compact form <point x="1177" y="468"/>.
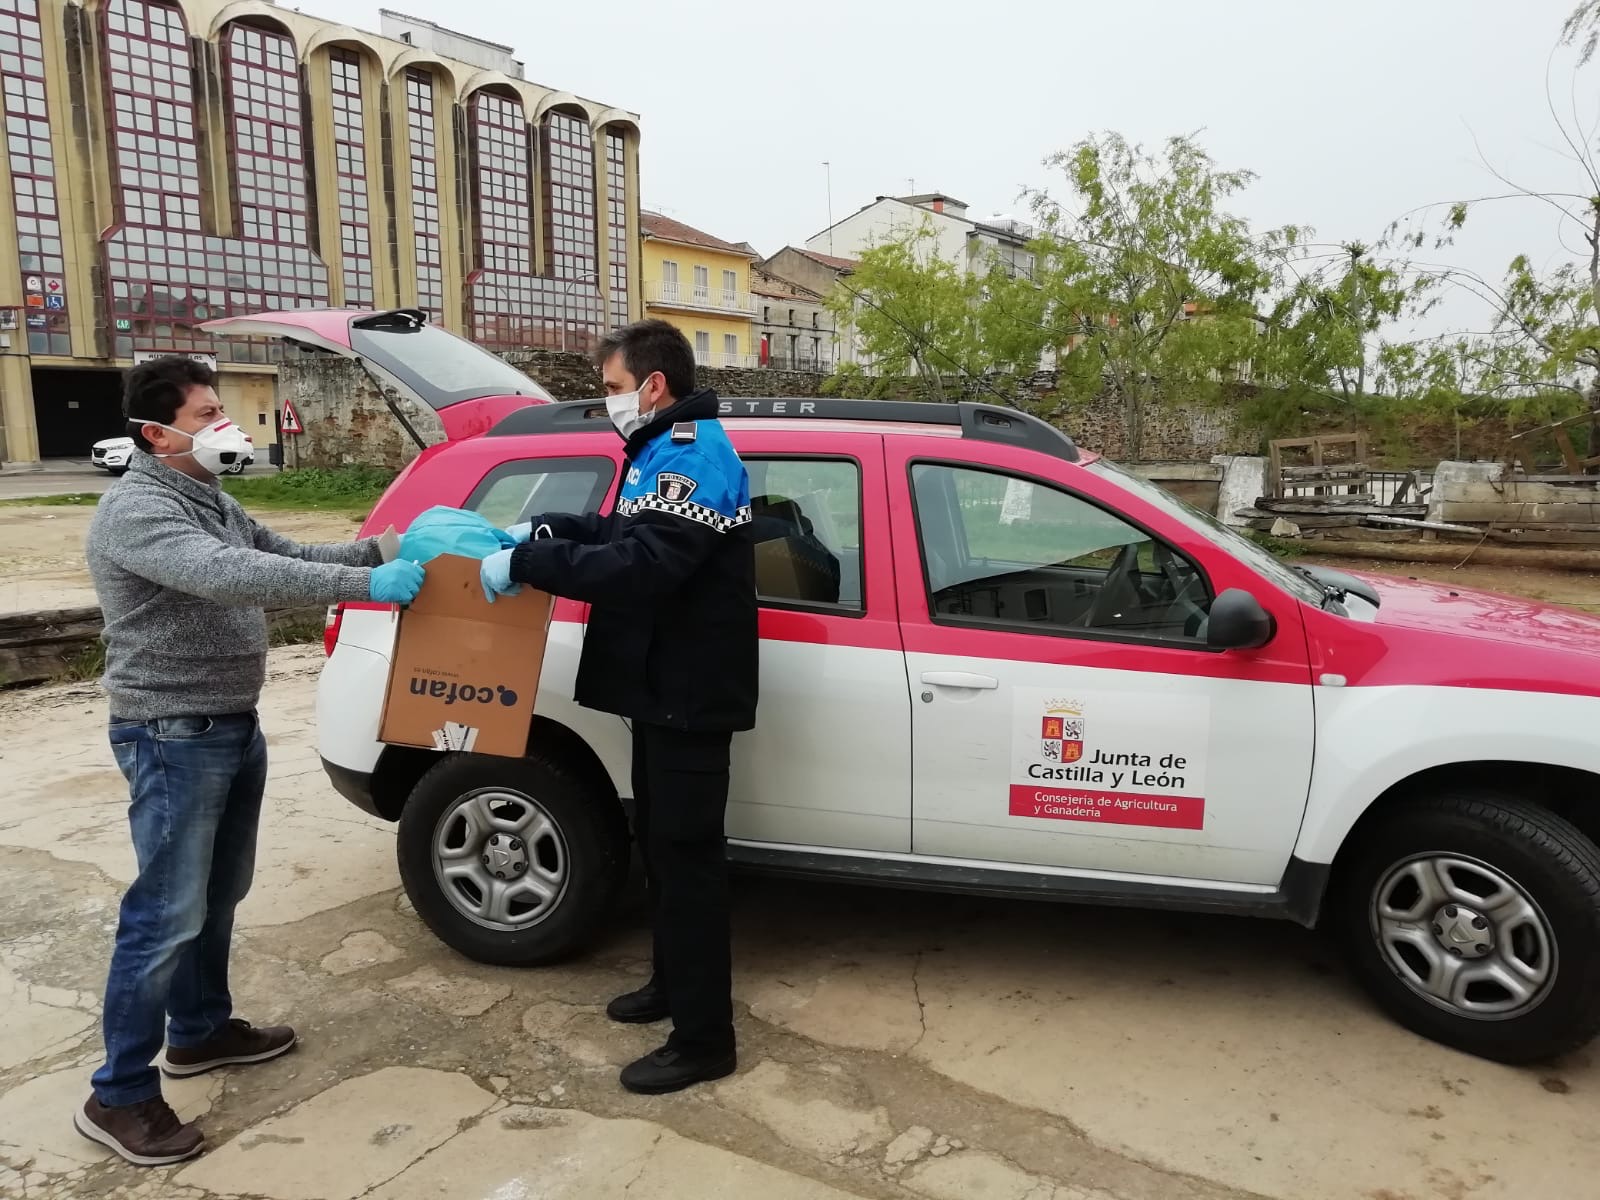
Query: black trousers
<point x="680" y="790"/>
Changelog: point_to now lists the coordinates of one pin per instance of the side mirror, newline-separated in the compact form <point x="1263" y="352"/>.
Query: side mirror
<point x="1238" y="622"/>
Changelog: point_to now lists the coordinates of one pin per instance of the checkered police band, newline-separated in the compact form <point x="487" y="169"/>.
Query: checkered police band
<point x="654" y="502"/>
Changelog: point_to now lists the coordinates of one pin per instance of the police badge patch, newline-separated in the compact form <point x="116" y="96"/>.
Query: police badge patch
<point x="674" y="487"/>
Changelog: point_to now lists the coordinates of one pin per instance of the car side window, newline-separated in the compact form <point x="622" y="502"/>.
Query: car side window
<point x="1000" y="549"/>
<point x="806" y="521"/>
<point x="516" y="491"/>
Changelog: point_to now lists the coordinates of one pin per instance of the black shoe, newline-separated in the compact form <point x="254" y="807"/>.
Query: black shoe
<point x="642" y="1007"/>
<point x="671" y="1070"/>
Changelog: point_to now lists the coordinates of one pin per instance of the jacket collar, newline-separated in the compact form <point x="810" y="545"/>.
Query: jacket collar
<point x="696" y="406"/>
<point x="152" y="470"/>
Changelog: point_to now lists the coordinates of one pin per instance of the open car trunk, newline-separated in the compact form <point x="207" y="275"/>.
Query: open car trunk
<point x="470" y="388"/>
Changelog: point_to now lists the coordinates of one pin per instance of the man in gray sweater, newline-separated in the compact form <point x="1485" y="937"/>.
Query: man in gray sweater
<point x="182" y="574"/>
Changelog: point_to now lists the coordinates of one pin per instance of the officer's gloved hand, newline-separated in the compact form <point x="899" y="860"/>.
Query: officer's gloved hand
<point x="495" y="575"/>
<point x="396" y="582"/>
<point x="521" y="533"/>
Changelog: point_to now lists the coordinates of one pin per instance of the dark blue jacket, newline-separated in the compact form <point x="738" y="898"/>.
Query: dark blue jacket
<point x="670" y="574"/>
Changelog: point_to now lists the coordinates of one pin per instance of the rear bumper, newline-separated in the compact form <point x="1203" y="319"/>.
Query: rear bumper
<point x="354" y="786"/>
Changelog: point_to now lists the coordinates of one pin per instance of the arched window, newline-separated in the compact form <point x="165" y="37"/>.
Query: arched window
<point x="350" y="170"/>
<point x="617" y="217"/>
<point x="166" y="274"/>
<point x="575" y="301"/>
<point x="33" y="177"/>
<point x="504" y="287"/>
<point x="423" y="150"/>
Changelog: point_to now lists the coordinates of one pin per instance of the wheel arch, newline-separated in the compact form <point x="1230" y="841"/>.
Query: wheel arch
<point x="400" y="767"/>
<point x="1570" y="792"/>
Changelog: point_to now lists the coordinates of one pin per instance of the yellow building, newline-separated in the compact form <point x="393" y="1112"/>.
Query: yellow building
<point x="165" y="162"/>
<point x="701" y="284"/>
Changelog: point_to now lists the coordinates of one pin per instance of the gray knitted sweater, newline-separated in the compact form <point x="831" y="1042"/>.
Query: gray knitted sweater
<point x="183" y="574"/>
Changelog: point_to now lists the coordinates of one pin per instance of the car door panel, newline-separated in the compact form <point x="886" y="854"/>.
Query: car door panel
<point x="1098" y="749"/>
<point x="828" y="763"/>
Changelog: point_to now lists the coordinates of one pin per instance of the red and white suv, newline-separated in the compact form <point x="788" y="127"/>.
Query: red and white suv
<point x="994" y="662"/>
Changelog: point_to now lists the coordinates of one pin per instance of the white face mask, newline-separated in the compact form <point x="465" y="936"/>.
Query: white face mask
<point x="624" y="412"/>
<point x="215" y="448"/>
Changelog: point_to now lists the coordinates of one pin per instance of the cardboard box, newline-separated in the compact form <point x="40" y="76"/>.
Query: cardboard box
<point x="465" y="672"/>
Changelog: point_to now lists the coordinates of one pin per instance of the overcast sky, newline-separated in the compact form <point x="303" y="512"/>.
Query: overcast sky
<point x="1350" y="113"/>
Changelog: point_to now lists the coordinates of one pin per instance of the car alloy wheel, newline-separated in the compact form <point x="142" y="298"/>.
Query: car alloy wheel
<point x="500" y="860"/>
<point x="1464" y="936"/>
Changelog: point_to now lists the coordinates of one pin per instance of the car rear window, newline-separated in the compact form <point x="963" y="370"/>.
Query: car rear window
<point x="517" y="491"/>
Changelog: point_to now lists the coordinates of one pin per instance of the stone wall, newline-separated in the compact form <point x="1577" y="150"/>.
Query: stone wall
<point x="347" y="422"/>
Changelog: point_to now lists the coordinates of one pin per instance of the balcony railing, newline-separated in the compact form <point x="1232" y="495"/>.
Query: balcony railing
<point x="699" y="299"/>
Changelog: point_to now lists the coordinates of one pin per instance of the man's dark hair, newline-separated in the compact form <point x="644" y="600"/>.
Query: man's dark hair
<point x="649" y="346"/>
<point x="156" y="390"/>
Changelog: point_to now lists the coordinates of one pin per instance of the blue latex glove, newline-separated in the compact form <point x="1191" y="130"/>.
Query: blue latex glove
<point x="495" y="575"/>
<point x="396" y="582"/>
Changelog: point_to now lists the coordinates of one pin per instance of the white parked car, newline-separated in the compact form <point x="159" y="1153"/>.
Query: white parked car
<point x="113" y="454"/>
<point x="992" y="662"/>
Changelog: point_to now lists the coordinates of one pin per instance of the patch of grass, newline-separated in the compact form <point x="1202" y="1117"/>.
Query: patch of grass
<point x="72" y="500"/>
<point x="88" y="664"/>
<point x="352" y="490"/>
<point x="1281" y="547"/>
<point x="296" y="631"/>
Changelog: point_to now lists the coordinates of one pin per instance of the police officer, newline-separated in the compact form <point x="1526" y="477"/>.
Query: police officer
<point x="671" y="646"/>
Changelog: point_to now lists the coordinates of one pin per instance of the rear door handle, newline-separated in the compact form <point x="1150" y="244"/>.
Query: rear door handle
<point x="959" y="679"/>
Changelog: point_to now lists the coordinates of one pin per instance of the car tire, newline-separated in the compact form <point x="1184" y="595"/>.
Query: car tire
<point x="1473" y="918"/>
<point x="556" y="884"/>
<point x="236" y="469"/>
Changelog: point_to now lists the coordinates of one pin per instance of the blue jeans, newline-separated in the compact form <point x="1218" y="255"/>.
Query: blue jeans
<point x="196" y="785"/>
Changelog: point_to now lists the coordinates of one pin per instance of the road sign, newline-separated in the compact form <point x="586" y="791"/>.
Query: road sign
<point x="291" y="419"/>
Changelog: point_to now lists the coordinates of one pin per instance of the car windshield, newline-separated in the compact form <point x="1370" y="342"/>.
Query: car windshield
<point x="437" y="365"/>
<point x="1254" y="556"/>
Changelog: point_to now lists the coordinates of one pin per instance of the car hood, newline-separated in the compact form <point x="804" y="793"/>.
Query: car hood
<point x="116" y="443"/>
<point x="1431" y="634"/>
<point x="1465" y="612"/>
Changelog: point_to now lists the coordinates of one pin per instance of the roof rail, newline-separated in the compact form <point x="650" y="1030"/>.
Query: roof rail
<point x="983" y="422"/>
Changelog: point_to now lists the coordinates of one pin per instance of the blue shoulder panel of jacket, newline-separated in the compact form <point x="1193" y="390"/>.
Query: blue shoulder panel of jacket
<point x="693" y="473"/>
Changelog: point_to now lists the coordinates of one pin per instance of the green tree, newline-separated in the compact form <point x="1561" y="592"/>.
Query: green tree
<point x="1146" y="281"/>
<point x="915" y="311"/>
<point x="1327" y="332"/>
<point x="1542" y="329"/>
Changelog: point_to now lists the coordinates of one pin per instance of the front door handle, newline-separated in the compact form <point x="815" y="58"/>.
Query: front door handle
<point x="960" y="679"/>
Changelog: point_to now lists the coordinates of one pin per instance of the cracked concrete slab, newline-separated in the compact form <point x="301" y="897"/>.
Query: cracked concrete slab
<point x="347" y="1141"/>
<point x="799" y="1106"/>
<point x="539" y="1154"/>
<point x="457" y="994"/>
<point x="41" y="1022"/>
<point x="358" y="951"/>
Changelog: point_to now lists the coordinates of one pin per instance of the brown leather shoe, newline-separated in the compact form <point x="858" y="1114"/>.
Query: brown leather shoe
<point x="148" y="1134"/>
<point x="238" y="1043"/>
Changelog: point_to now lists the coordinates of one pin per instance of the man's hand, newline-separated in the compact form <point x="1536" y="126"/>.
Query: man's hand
<point x="495" y="575"/>
<point x="397" y="582"/>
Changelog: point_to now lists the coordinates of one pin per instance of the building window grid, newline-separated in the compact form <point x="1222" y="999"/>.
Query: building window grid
<point x="422" y="141"/>
<point x="617" y="203"/>
<point x="350" y="171"/>
<point x="505" y="294"/>
<point x="33" y="175"/>
<point x="573" y="293"/>
<point x="166" y="274"/>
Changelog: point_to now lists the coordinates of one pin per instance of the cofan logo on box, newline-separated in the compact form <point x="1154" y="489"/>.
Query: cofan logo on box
<point x="464" y="693"/>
